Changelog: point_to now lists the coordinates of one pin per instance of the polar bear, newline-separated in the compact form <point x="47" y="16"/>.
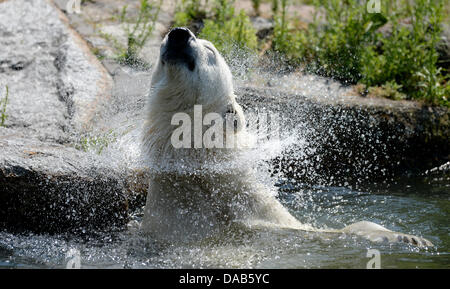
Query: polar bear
<point x="196" y="193"/>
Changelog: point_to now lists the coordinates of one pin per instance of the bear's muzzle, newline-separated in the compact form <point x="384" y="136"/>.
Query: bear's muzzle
<point x="178" y="49"/>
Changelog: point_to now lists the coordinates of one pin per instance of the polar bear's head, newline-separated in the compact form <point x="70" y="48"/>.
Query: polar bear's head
<point x="192" y="68"/>
<point x="189" y="72"/>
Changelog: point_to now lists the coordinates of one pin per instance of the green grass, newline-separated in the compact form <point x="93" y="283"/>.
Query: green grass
<point x="189" y="11"/>
<point x="138" y="32"/>
<point x="344" y="42"/>
<point x="3" y="104"/>
<point x="256" y="4"/>
<point x="96" y="143"/>
<point x="350" y="47"/>
<point x="98" y="53"/>
<point x="228" y="34"/>
<point x="227" y="30"/>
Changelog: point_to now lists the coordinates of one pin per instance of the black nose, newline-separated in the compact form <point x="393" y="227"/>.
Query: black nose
<point x="179" y="36"/>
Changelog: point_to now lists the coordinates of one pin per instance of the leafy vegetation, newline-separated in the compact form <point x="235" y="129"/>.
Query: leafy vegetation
<point x="256" y="4"/>
<point x="3" y="104"/>
<point x="189" y="11"/>
<point x="138" y="32"/>
<point x="96" y="143"/>
<point x="346" y="44"/>
<point x="229" y="34"/>
<point x="226" y="30"/>
<point x="391" y="54"/>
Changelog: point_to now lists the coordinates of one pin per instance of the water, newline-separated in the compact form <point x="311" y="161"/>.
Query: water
<point x="417" y="213"/>
<point x="411" y="206"/>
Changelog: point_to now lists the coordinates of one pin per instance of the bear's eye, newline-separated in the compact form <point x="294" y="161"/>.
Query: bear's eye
<point x="211" y="56"/>
<point x="210" y="49"/>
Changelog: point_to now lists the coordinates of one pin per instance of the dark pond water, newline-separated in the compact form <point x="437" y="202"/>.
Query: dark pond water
<point x="415" y="208"/>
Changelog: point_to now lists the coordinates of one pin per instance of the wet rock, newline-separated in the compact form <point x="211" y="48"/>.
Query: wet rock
<point x="354" y="140"/>
<point x="56" y="89"/>
<point x="55" y="83"/>
<point x="53" y="188"/>
<point x="439" y="171"/>
<point x="98" y="23"/>
<point x="263" y="26"/>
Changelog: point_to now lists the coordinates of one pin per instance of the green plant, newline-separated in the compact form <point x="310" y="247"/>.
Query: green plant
<point x="349" y="46"/>
<point x="408" y="56"/>
<point x="98" y="53"/>
<point x="189" y="11"/>
<point x="333" y="49"/>
<point x="389" y="90"/>
<point x="96" y="143"/>
<point x="282" y="39"/>
<point x="256" y="4"/>
<point x="223" y="10"/>
<point x="274" y="7"/>
<point x="3" y="104"/>
<point x="229" y="32"/>
<point x="138" y="33"/>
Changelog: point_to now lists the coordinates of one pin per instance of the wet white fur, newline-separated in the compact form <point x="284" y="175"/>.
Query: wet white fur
<point x="189" y="196"/>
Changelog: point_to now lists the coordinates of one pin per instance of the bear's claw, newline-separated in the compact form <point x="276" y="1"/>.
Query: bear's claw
<point x="414" y="240"/>
<point x="377" y="233"/>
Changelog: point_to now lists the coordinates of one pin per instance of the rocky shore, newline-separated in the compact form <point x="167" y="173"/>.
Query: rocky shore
<point x="59" y="90"/>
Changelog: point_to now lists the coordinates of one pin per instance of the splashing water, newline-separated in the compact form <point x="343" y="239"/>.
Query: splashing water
<point x="413" y="211"/>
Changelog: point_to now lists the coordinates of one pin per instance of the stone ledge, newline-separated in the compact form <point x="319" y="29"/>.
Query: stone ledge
<point x="356" y="139"/>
